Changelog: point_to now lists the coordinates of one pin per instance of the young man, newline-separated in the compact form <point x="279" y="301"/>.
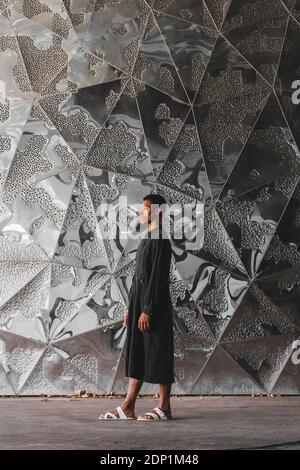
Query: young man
<point x="149" y="343"/>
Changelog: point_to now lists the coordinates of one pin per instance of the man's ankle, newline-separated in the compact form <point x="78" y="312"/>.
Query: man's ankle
<point x="166" y="406"/>
<point x="128" y="405"/>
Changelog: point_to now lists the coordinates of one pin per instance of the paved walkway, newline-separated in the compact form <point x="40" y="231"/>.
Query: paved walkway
<point x="199" y="423"/>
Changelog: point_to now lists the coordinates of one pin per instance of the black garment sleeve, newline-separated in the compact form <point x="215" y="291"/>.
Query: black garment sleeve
<point x="152" y="279"/>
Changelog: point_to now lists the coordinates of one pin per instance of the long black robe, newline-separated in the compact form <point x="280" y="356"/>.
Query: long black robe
<point x="149" y="355"/>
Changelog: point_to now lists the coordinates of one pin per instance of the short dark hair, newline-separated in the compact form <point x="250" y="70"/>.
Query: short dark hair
<point x="155" y="198"/>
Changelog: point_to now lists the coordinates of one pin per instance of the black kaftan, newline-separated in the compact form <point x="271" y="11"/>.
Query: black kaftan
<point x="149" y="355"/>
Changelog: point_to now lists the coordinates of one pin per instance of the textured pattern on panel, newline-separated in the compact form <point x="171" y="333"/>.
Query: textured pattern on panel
<point x="102" y="99"/>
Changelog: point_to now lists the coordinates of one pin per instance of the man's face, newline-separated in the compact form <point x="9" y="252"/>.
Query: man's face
<point x="145" y="212"/>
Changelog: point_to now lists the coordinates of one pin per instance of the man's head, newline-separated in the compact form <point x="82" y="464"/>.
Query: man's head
<point x="150" y="208"/>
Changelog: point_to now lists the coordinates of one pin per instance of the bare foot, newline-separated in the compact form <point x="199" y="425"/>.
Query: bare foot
<point x="129" y="412"/>
<point x="167" y="412"/>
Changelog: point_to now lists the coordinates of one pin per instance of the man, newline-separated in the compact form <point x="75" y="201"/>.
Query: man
<point x="149" y="343"/>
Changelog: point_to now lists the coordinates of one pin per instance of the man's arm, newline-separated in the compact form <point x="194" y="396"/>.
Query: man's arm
<point x="152" y="282"/>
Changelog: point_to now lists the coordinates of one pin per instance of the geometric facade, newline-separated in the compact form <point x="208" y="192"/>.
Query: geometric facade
<point x="101" y="99"/>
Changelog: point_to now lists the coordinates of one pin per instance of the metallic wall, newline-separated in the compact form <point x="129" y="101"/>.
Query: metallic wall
<point x="107" y="98"/>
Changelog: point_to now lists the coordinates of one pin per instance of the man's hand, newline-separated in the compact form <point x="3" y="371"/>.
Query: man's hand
<point x="125" y="321"/>
<point x="144" y="322"/>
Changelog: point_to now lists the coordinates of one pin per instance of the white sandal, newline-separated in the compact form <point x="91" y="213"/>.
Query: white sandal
<point x="109" y="415"/>
<point x="159" y="415"/>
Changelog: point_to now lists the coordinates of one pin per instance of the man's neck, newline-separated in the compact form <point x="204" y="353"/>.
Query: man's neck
<point x="153" y="226"/>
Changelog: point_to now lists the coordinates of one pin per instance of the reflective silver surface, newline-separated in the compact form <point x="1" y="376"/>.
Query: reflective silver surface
<point x="111" y="98"/>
